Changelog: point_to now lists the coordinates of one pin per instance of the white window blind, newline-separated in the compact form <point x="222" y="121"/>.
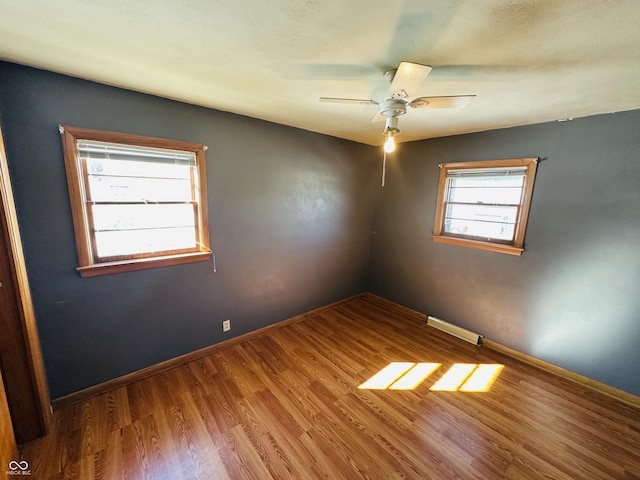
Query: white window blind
<point x="484" y="203"/>
<point x="115" y="151"/>
<point x="139" y="199"/>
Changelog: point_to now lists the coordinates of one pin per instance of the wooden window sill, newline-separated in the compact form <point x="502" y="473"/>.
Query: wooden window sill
<point x="493" y="247"/>
<point x="108" y="268"/>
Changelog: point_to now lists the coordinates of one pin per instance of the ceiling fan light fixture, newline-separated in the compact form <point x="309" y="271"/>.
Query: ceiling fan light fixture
<point x="393" y="107"/>
<point x="389" y="144"/>
<point x="391" y="131"/>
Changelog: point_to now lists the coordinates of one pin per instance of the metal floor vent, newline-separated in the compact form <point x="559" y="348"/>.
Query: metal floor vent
<point x="454" y="330"/>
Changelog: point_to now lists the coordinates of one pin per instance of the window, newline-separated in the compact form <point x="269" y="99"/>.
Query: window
<point x="485" y="204"/>
<point x="137" y="202"/>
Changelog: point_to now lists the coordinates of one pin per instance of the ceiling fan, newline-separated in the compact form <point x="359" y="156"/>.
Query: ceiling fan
<point x="405" y="80"/>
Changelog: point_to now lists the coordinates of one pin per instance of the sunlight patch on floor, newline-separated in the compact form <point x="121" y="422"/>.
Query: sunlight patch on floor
<point x="462" y="377"/>
<point x="388" y="375"/>
<point x="482" y="378"/>
<point x="415" y="376"/>
<point x="454" y="377"/>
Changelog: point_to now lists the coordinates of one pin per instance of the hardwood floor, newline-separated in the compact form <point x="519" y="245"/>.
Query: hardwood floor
<point x="286" y="404"/>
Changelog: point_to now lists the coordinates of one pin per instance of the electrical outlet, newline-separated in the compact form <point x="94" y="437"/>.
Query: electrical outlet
<point x="226" y="325"/>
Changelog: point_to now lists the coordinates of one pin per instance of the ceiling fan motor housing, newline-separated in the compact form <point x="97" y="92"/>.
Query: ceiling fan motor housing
<point x="393" y="107"/>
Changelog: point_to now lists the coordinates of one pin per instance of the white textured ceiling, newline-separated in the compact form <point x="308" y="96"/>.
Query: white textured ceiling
<point x="527" y="61"/>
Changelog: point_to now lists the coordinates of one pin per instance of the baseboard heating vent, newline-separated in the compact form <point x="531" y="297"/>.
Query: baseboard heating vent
<point x="454" y="330"/>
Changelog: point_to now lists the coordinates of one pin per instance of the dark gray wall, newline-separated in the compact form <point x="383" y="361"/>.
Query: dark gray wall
<point x="573" y="297"/>
<point x="290" y="216"/>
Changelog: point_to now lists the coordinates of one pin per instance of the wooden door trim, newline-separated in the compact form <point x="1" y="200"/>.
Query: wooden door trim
<point x="20" y="354"/>
<point x="8" y="447"/>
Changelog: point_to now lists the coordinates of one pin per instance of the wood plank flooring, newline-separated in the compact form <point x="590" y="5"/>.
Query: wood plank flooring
<point x="285" y="404"/>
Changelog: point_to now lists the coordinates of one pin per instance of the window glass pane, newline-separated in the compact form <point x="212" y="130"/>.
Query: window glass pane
<point x="481" y="221"/>
<point x="141" y="182"/>
<point x="131" y="242"/>
<point x="493" y="190"/>
<point x="136" y="217"/>
<point x="132" y="229"/>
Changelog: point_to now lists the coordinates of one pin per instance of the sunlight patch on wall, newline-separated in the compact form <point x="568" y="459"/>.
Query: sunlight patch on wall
<point x="463" y="377"/>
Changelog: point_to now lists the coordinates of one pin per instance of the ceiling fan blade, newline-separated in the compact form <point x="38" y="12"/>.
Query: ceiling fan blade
<point x="355" y="101"/>
<point x="454" y="101"/>
<point x="408" y="79"/>
<point x="378" y="118"/>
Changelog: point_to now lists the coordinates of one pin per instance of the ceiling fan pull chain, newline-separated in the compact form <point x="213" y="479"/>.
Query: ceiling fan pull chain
<point x="384" y="166"/>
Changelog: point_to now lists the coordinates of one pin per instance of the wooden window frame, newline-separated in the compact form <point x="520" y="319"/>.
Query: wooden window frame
<point x="89" y="264"/>
<point x="512" y="248"/>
